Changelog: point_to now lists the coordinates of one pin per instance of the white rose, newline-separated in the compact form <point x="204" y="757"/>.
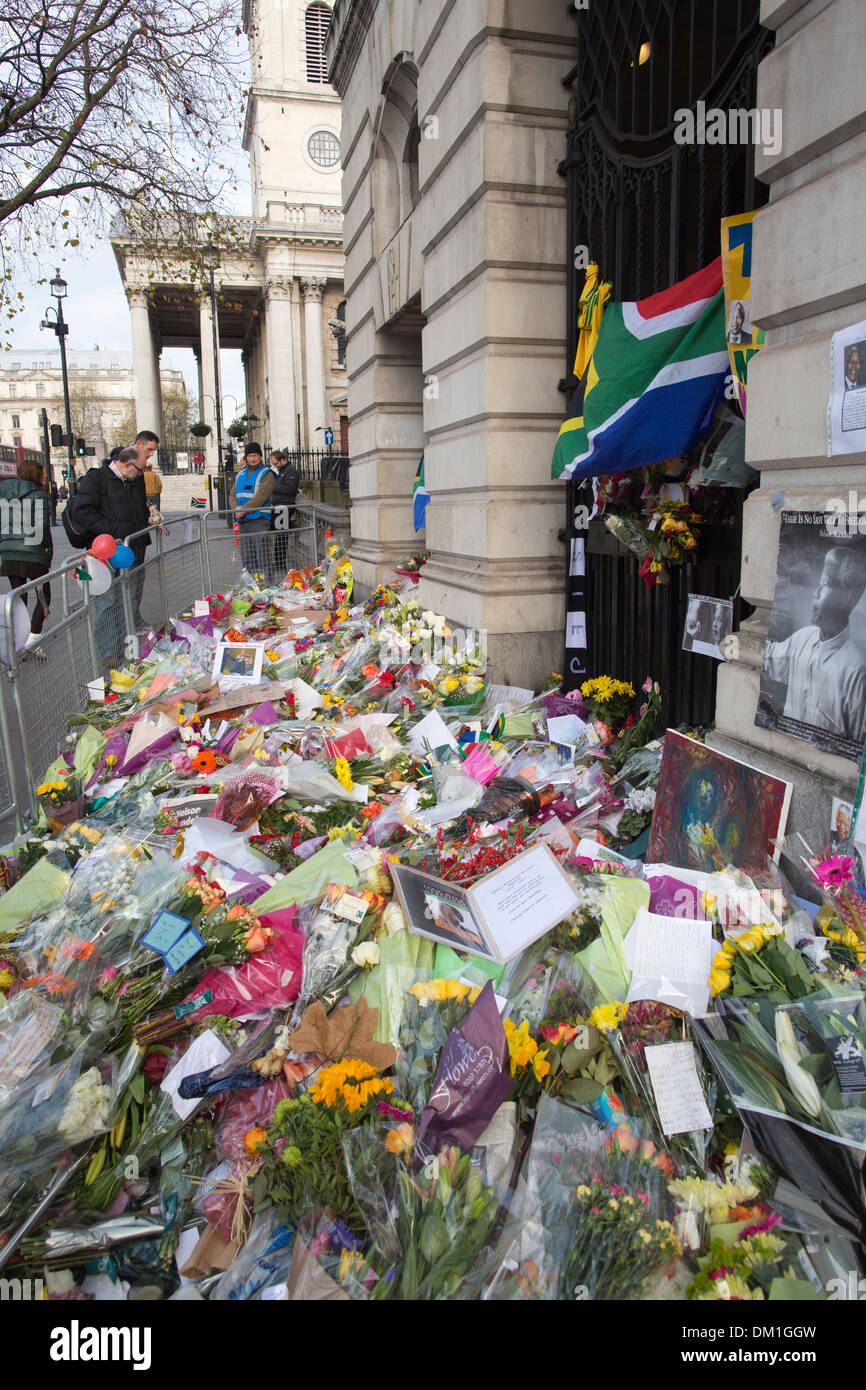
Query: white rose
<point x="366" y="955"/>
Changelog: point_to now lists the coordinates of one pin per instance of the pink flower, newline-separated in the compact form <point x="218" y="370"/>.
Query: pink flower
<point x="772" y="1219"/>
<point x="596" y="1210"/>
<point x="122" y="990"/>
<point x="720" y="1272"/>
<point x="833" y="872"/>
<point x="643" y="1197"/>
<point x="109" y="973"/>
<point x="647" y="685"/>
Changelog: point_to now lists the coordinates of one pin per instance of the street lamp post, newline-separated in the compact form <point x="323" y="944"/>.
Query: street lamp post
<point x="211" y="257"/>
<point x="60" y="327"/>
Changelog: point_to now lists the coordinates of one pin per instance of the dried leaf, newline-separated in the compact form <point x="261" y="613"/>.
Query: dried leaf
<point x="347" y="1033"/>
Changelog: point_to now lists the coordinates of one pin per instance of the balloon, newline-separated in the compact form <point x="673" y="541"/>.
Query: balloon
<point x="20" y="626"/>
<point x="100" y="577"/>
<point x="103" y="547"/>
<point x="123" y="557"/>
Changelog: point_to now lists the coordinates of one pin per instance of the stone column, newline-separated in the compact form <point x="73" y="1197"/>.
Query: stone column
<point x="317" y="406"/>
<point x="806" y="285"/>
<point x="209" y="389"/>
<point x="145" y="364"/>
<point x="196" y="352"/>
<point x="299" y="365"/>
<point x="281" y="367"/>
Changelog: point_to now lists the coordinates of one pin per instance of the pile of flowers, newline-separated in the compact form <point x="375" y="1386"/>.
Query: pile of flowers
<point x="392" y="1116"/>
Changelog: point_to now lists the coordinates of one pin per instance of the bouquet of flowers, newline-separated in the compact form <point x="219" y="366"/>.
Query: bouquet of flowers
<point x="608" y="701"/>
<point x="429" y="1215"/>
<point x="760" y="963"/>
<point x="804" y="1060"/>
<point x="463" y="688"/>
<point x="431" y="1011"/>
<point x="301" y="1153"/>
<point x="61" y="800"/>
<point x="600" y="1203"/>
<point x="646" y="1023"/>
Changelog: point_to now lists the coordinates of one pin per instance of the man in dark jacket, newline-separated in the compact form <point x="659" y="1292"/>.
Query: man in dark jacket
<point x="283" y="499"/>
<point x="112" y="500"/>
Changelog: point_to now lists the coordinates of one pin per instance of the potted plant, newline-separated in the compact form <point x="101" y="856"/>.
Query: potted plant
<point x="237" y="429"/>
<point x="200" y="429"/>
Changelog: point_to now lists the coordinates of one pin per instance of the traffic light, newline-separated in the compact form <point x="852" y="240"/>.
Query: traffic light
<point x="80" y="448"/>
<point x="56" y="436"/>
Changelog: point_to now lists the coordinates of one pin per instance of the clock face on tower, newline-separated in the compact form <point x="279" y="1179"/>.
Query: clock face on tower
<point x="323" y="147"/>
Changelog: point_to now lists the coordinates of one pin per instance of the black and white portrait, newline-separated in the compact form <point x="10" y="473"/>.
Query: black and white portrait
<point x="739" y="322"/>
<point x="855" y="366"/>
<point x="708" y="622"/>
<point x="813" y="683"/>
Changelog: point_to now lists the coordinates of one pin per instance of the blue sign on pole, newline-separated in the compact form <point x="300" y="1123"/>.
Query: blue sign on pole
<point x="329" y="438"/>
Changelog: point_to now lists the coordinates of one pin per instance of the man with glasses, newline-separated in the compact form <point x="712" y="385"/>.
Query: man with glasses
<point x="111" y="500"/>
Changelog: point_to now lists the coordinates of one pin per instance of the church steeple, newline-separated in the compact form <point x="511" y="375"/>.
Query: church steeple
<point x="292" y="127"/>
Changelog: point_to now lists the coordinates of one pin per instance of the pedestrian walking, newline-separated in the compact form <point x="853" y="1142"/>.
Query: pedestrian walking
<point x="26" y="547"/>
<point x="146" y="443"/>
<point x="251" y="499"/>
<point x="111" y="500"/>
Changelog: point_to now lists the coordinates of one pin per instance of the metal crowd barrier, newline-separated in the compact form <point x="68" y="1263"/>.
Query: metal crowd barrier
<point x="185" y="559"/>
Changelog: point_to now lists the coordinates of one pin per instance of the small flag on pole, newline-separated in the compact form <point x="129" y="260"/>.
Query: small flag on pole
<point x="420" y="498"/>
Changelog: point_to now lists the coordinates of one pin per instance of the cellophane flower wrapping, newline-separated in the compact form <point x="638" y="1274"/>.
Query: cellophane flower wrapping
<point x="429" y="1215"/>
<point x="788" y="1069"/>
<point x="650" y="1024"/>
<point x="262" y="1264"/>
<point x="424" y="1031"/>
<point x="599" y="1204"/>
<point x="51" y="1113"/>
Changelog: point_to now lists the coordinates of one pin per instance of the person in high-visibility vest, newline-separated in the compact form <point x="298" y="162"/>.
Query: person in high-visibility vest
<point x="254" y="485"/>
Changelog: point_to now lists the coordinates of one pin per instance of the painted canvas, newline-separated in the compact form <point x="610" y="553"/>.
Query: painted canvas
<point x="712" y="811"/>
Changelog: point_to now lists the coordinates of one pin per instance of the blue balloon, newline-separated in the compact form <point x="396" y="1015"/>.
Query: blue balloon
<point x="123" y="558"/>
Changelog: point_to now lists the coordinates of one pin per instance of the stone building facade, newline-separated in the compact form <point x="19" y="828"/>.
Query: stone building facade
<point x="453" y="124"/>
<point x="808" y="281"/>
<point x="101" y="388"/>
<point x="279" y="284"/>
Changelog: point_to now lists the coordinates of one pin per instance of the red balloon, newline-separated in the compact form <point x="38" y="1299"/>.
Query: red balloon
<point x="103" y="547"/>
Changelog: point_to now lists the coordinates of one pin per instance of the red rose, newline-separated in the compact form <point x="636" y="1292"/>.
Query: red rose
<point x="154" y="1067"/>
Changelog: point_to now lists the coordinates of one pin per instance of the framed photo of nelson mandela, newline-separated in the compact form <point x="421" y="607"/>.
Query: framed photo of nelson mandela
<point x="813" y="682"/>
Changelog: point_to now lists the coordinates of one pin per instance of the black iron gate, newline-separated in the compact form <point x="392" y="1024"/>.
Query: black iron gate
<point x="648" y="210"/>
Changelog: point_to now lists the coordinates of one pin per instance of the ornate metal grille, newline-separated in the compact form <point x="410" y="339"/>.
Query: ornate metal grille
<point x="648" y="211"/>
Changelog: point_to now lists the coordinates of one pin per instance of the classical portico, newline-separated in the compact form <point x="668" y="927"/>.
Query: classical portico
<point x="279" y="284"/>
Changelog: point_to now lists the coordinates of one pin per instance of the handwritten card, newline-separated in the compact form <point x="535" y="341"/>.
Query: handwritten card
<point x="670" y="960"/>
<point x="183" y="950"/>
<point x="677" y="1088"/>
<point x="165" y="929"/>
<point x="351" y="907"/>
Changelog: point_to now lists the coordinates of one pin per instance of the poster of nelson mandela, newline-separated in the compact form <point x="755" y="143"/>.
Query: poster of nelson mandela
<point x="813" y="682"/>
